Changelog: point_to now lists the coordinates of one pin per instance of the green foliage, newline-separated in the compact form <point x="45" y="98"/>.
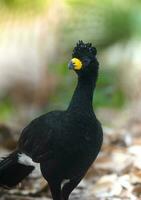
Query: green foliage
<point x="101" y="22"/>
<point x="108" y="92"/>
<point x="66" y="85"/>
<point x="22" y="6"/>
<point x="6" y="108"/>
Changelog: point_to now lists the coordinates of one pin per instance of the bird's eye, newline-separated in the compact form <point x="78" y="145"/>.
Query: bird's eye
<point x="86" y="61"/>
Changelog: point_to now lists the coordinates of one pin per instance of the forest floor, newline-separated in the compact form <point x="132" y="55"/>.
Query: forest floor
<point x="115" y="175"/>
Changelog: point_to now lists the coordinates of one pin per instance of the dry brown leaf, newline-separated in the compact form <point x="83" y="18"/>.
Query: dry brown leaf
<point x="135" y="177"/>
<point x="107" y="186"/>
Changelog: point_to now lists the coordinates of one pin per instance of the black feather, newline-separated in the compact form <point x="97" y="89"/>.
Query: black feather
<point x="84" y="49"/>
<point x="12" y="172"/>
<point x="65" y="143"/>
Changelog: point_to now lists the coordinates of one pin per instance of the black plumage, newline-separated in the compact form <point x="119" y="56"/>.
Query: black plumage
<point x="65" y="143"/>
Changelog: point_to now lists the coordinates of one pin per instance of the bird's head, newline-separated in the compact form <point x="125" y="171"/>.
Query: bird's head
<point x="84" y="60"/>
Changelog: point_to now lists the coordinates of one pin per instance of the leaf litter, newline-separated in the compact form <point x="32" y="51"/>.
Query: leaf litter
<point x="115" y="175"/>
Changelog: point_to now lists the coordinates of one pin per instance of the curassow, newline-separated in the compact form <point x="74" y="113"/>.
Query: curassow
<point x="64" y="143"/>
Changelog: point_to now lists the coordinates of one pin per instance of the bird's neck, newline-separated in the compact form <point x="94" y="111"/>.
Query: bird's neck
<point x="83" y="95"/>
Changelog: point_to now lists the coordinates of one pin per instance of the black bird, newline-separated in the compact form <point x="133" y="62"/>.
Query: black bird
<point x="64" y="143"/>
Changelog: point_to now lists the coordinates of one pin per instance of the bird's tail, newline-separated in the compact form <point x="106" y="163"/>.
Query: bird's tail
<point x="12" y="172"/>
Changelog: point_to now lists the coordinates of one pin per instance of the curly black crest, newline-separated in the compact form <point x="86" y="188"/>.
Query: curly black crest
<point x="82" y="49"/>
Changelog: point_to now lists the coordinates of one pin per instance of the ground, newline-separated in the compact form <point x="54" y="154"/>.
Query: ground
<point x="116" y="174"/>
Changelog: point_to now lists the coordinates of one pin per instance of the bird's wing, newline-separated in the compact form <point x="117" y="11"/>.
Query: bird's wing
<point x="38" y="139"/>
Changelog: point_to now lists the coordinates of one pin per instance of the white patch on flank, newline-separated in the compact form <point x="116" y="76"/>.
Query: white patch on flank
<point x="64" y="182"/>
<point x="26" y="160"/>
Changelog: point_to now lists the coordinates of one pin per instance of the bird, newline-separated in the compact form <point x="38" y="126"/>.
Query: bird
<point x="63" y="143"/>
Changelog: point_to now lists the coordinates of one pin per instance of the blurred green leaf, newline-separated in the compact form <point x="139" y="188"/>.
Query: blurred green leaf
<point x="108" y="91"/>
<point x="6" y="108"/>
<point x="103" y="22"/>
<point x="20" y="7"/>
